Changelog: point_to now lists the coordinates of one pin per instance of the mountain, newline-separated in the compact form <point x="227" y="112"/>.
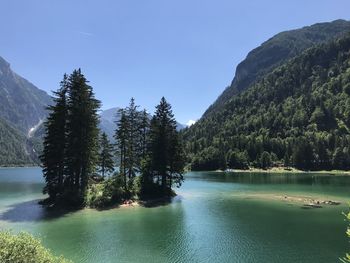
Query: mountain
<point x="21" y="103"/>
<point x="297" y="115"/>
<point x="107" y="121"/>
<point x="22" y="111"/>
<point x="274" y="52"/>
<point x="109" y="117"/>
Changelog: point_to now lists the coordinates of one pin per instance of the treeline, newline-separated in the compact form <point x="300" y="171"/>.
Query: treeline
<point x="298" y="115"/>
<point x="76" y="157"/>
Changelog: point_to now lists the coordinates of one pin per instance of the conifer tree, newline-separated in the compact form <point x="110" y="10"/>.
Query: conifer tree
<point x="121" y="137"/>
<point x="143" y="136"/>
<point x="132" y="145"/>
<point x="82" y="135"/>
<point x="105" y="162"/>
<point x="52" y="157"/>
<point x="166" y="152"/>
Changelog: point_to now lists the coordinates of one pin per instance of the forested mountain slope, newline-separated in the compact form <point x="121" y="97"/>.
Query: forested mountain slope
<point x="298" y="115"/>
<point x="12" y="146"/>
<point x="22" y="108"/>
<point x="275" y="52"/>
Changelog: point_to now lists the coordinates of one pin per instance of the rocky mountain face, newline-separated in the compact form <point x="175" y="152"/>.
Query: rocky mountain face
<point x="22" y="104"/>
<point x="273" y="53"/>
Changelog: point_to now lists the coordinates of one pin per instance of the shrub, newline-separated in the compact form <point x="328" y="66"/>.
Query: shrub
<point x="24" y="248"/>
<point x="347" y="256"/>
<point x="107" y="193"/>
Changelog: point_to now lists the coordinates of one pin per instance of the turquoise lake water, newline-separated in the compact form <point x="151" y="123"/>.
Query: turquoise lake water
<point x="216" y="217"/>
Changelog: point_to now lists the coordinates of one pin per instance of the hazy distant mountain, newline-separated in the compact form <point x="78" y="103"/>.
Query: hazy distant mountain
<point x="109" y="117"/>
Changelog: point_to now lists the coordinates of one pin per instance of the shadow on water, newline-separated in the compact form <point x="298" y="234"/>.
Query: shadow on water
<point x="160" y="201"/>
<point x="30" y="211"/>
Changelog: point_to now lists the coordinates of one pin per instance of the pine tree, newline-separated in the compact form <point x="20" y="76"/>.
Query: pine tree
<point x="105" y="162"/>
<point x="54" y="144"/>
<point x="121" y="137"/>
<point x="132" y="145"/>
<point x="166" y="151"/>
<point x="82" y="135"/>
<point x="143" y="134"/>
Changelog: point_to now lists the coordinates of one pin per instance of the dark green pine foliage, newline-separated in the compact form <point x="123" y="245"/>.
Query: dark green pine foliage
<point x="299" y="114"/>
<point x="121" y="138"/>
<point x="133" y="139"/>
<point x="82" y="136"/>
<point x="70" y="142"/>
<point x="53" y="156"/>
<point x="144" y="124"/>
<point x="105" y="161"/>
<point x="165" y="162"/>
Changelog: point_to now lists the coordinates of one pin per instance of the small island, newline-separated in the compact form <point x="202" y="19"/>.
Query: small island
<point x="79" y="162"/>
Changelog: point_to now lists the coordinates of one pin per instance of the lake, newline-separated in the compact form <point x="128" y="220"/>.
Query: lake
<point x="216" y="217"/>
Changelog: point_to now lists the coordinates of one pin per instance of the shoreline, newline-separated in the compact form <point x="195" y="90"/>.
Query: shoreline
<point x="249" y="170"/>
<point x="284" y="170"/>
<point x="20" y="166"/>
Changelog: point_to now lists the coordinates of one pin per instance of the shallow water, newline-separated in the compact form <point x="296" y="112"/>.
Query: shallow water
<point x="217" y="217"/>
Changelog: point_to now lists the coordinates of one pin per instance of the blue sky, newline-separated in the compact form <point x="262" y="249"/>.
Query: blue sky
<point x="185" y="50"/>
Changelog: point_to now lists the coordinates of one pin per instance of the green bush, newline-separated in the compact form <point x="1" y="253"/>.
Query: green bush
<point x="347" y="256"/>
<point x="24" y="248"/>
<point x="108" y="193"/>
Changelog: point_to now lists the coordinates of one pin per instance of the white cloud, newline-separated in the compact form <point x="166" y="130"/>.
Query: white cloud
<point x="190" y="122"/>
<point x="87" y="34"/>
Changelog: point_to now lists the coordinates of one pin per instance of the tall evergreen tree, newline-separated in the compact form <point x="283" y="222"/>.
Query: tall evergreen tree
<point x="166" y="153"/>
<point x="144" y="124"/>
<point x="82" y="135"/>
<point x="132" y="145"/>
<point x="53" y="154"/>
<point x="105" y="162"/>
<point x="121" y="137"/>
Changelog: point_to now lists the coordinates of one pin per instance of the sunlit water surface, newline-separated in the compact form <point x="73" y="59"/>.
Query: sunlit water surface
<point x="217" y="217"/>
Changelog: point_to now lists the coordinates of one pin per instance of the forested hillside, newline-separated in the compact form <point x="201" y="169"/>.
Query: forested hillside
<point x="298" y="115"/>
<point x="276" y="51"/>
<point x="12" y="146"/>
<point x="22" y="108"/>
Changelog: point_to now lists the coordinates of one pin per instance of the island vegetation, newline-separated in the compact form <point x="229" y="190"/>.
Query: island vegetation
<point x="77" y="157"/>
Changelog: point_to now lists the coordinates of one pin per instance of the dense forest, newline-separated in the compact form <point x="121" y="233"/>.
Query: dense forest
<point x="77" y="156"/>
<point x="298" y="116"/>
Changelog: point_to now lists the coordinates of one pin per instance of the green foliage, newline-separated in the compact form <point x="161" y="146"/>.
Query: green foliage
<point x="13" y="143"/>
<point x="131" y="138"/>
<point x="209" y="159"/>
<point x="105" y="160"/>
<point x="165" y="161"/>
<point x="237" y="159"/>
<point x="108" y="193"/>
<point x="70" y="152"/>
<point x="299" y="114"/>
<point x="346" y="259"/>
<point x="24" y="248"/>
<point x="265" y="160"/>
